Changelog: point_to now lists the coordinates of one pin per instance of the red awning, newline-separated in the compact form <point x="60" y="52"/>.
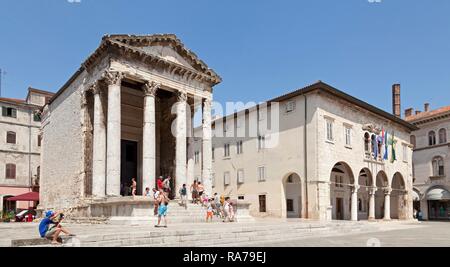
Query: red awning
<point x="31" y="196"/>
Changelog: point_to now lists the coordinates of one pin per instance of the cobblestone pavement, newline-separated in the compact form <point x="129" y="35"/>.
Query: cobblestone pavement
<point x="430" y="234"/>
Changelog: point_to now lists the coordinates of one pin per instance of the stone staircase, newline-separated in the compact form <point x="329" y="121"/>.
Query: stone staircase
<point x="209" y="234"/>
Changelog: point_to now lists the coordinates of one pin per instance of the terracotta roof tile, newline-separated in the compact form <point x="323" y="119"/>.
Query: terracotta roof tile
<point x="14" y="100"/>
<point x="428" y="114"/>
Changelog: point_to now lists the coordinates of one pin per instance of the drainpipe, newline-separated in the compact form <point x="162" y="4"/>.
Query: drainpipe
<point x="305" y="157"/>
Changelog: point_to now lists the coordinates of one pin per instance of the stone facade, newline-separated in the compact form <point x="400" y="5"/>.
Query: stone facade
<point x="126" y="113"/>
<point x="302" y="171"/>
<point x="20" y="146"/>
<point x="431" y="161"/>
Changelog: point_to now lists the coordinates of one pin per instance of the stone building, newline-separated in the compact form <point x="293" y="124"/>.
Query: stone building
<point x="124" y="114"/>
<point x="20" y="145"/>
<point x="315" y="153"/>
<point x="431" y="161"/>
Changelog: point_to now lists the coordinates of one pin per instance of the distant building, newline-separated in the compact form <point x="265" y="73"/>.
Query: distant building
<point x="20" y="123"/>
<point x="431" y="161"/>
<point x="328" y="162"/>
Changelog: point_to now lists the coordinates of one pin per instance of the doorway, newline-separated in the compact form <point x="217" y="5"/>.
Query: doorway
<point x="129" y="166"/>
<point x="339" y="208"/>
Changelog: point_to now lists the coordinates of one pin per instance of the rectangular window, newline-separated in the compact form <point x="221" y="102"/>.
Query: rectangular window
<point x="226" y="150"/>
<point x="261" y="174"/>
<point x="213" y="154"/>
<point x="239" y="148"/>
<point x="261" y="142"/>
<point x="290" y="106"/>
<point x="348" y="136"/>
<point x="37" y="116"/>
<point x="213" y="180"/>
<point x="405" y="153"/>
<point x="9" y="112"/>
<point x="262" y="203"/>
<point x="39" y="140"/>
<point x="240" y="176"/>
<point x="226" y="178"/>
<point x="197" y="157"/>
<point x="330" y="130"/>
<point x="10" y="171"/>
<point x="290" y="205"/>
<point x="11" y="137"/>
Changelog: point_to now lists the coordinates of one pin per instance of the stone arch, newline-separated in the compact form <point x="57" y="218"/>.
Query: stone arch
<point x="399" y="196"/>
<point x="382" y="184"/>
<point x="438" y="202"/>
<point x="365" y="183"/>
<point x="292" y="186"/>
<point x="342" y="183"/>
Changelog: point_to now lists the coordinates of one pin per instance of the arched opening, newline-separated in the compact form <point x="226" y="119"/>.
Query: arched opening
<point x="398" y="195"/>
<point x="293" y="195"/>
<point x="431" y="138"/>
<point x="365" y="182"/>
<point x="381" y="184"/>
<point x="438" y="200"/>
<point x="341" y="184"/>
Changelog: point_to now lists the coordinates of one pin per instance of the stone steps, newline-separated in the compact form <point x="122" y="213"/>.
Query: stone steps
<point x="230" y="235"/>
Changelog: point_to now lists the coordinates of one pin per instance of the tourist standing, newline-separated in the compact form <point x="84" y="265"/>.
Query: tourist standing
<point x="194" y="190"/>
<point x="162" y="209"/>
<point x="209" y="211"/>
<point x="217" y="205"/>
<point x="133" y="187"/>
<point x="159" y="183"/>
<point x="201" y="190"/>
<point x="156" y="200"/>
<point x="166" y="186"/>
<point x="183" y="196"/>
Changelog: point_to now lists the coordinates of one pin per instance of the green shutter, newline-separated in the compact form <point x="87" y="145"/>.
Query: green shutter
<point x="14" y="113"/>
<point x="4" y="112"/>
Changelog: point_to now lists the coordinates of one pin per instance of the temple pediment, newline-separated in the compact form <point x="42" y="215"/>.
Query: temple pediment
<point x="165" y="48"/>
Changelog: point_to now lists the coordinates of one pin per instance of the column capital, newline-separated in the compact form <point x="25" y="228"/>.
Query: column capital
<point x="355" y="188"/>
<point x="150" y="88"/>
<point x="372" y="190"/>
<point x="182" y="96"/>
<point x="207" y="102"/>
<point x="95" y="88"/>
<point x="387" y="191"/>
<point x="112" y="77"/>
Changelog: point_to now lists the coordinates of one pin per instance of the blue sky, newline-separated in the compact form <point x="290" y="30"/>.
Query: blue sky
<point x="260" y="48"/>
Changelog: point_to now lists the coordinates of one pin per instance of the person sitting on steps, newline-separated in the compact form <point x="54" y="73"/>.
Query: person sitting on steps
<point x="52" y="232"/>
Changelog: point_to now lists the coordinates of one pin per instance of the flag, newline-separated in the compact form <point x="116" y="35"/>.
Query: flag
<point x="393" y="144"/>
<point x="386" y="147"/>
<point x="374" y="146"/>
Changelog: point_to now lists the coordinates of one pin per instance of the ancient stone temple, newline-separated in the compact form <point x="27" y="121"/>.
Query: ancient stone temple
<point x="126" y="113"/>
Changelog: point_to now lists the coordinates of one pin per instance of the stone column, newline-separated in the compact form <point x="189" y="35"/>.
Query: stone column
<point x="149" y="137"/>
<point x="387" y="204"/>
<point x="180" y="155"/>
<point x="190" y="154"/>
<point x="207" y="147"/>
<point x="354" y="207"/>
<point x="372" y="203"/>
<point x="99" y="145"/>
<point x="113" y="80"/>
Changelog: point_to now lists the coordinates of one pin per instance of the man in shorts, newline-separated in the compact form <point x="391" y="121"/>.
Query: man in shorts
<point x="52" y="232"/>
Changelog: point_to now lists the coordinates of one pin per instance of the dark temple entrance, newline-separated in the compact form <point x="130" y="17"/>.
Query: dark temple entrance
<point x="129" y="167"/>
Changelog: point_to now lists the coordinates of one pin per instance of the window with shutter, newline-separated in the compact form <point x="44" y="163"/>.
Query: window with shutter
<point x="11" y="137"/>
<point x="10" y="171"/>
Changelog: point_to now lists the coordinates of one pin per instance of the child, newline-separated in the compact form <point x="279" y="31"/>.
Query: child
<point x="205" y="200"/>
<point x="209" y="211"/>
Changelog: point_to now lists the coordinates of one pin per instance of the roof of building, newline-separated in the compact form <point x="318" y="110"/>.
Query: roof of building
<point x="133" y="44"/>
<point x="12" y="100"/>
<point x="319" y="85"/>
<point x="428" y="115"/>
<point x="39" y="91"/>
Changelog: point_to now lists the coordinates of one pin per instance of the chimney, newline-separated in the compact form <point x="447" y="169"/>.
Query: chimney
<point x="396" y="107"/>
<point x="408" y="112"/>
<point x="418" y="112"/>
<point x="427" y="107"/>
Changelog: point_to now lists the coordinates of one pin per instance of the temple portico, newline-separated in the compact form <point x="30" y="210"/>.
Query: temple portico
<point x="138" y="95"/>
